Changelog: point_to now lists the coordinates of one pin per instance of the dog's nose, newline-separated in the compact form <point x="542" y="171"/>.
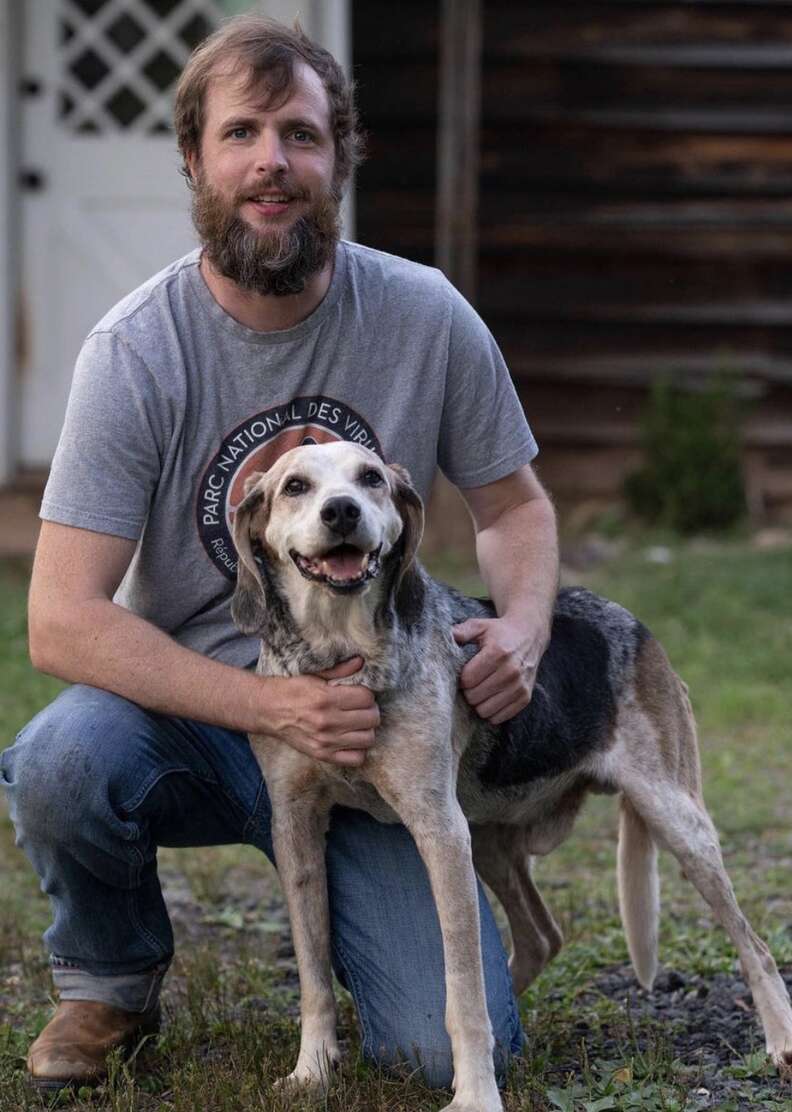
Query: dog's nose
<point x="341" y="515"/>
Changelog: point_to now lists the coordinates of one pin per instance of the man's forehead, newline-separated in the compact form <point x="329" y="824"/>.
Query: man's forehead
<point x="230" y="91"/>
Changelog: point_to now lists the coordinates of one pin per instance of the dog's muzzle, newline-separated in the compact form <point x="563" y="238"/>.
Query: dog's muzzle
<point x="343" y="567"/>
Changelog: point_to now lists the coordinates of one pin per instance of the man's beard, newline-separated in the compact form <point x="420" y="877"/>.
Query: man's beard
<point x="275" y="260"/>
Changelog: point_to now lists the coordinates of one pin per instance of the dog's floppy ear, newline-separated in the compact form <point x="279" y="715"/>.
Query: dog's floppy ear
<point x="248" y="603"/>
<point x="408" y="586"/>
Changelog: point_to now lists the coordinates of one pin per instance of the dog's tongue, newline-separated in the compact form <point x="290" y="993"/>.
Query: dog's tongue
<point x="344" y="564"/>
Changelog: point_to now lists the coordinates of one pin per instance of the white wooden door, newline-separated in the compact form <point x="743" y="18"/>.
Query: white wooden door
<point x="103" y="203"/>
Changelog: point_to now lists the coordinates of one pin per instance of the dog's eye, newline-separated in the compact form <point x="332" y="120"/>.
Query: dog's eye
<point x="295" y="486"/>
<point x="372" y="478"/>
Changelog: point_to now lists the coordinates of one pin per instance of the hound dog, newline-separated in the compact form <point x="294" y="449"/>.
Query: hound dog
<point x="327" y="541"/>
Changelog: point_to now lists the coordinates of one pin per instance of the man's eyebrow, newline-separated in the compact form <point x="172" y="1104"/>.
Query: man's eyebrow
<point x="237" y="121"/>
<point x="292" y="123"/>
<point x="302" y="121"/>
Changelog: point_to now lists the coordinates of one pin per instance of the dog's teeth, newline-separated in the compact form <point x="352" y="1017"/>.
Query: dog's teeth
<point x="341" y="570"/>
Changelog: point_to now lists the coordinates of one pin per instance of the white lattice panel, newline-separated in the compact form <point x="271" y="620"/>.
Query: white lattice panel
<point x="120" y="60"/>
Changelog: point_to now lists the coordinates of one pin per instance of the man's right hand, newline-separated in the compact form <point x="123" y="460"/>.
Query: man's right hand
<point x="329" y="722"/>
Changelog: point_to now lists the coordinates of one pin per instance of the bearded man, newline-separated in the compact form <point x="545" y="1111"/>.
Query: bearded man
<point x="273" y="333"/>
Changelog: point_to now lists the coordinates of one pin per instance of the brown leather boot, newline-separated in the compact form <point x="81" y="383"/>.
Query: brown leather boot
<point x="72" y="1048"/>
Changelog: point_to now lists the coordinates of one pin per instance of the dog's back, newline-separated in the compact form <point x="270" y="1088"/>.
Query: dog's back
<point x="545" y="753"/>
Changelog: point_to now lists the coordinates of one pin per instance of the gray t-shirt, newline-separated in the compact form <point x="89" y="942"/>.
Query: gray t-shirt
<point x="174" y="403"/>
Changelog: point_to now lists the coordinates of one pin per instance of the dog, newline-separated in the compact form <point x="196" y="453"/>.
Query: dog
<point x="327" y="542"/>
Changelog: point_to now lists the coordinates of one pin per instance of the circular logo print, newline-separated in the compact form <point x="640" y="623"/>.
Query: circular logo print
<point x="254" y="446"/>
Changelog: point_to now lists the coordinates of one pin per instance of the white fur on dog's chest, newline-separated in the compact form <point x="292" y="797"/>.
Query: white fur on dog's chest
<point x="404" y="720"/>
<point x="351" y="790"/>
<point x="286" y="771"/>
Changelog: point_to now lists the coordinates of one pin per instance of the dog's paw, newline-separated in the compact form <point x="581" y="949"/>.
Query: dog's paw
<point x="302" y="1084"/>
<point x="311" y="1075"/>
<point x="781" y="1057"/>
<point x="486" y="1101"/>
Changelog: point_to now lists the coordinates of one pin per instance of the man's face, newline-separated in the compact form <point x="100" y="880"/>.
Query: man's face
<point x="265" y="205"/>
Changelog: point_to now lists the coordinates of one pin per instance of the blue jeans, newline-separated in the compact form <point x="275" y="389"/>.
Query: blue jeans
<point x="96" y="784"/>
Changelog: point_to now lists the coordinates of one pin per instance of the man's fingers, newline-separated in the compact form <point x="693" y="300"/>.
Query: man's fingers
<point x="493" y="678"/>
<point x="343" y="670"/>
<point x="348" y="699"/>
<point x="469" y="630"/>
<point x="486" y="708"/>
<point x="337" y="721"/>
<point x="499" y="692"/>
<point x="346" y="749"/>
<point x="348" y="757"/>
<point x="365" y="721"/>
<point x="490" y="686"/>
<point x="510" y="711"/>
<point x="504" y="705"/>
<point x="486" y="663"/>
<point x="351" y="739"/>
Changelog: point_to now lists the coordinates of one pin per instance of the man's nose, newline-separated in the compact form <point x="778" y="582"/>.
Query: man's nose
<point x="270" y="155"/>
<point x="340" y="515"/>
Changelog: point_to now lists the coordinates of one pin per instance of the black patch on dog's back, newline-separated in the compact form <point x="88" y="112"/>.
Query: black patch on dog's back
<point x="571" y="713"/>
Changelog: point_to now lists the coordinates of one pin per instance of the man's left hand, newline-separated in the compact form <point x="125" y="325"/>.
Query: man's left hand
<point x="498" y="681"/>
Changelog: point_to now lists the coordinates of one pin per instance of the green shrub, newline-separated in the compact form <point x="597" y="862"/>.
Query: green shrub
<point x="691" y="479"/>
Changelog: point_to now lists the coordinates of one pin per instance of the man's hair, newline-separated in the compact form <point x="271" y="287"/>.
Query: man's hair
<point x="267" y="51"/>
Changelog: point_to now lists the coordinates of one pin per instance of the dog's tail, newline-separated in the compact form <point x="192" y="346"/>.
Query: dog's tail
<point x="639" y="892"/>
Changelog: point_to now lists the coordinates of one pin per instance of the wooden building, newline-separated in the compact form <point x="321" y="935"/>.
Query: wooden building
<point x="633" y="166"/>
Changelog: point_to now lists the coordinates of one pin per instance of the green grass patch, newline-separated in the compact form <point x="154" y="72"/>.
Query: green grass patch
<point x="23" y="691"/>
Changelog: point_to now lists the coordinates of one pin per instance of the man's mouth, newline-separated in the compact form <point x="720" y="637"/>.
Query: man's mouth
<point x="271" y="199"/>
<point x="273" y="202"/>
<point x="344" y="568"/>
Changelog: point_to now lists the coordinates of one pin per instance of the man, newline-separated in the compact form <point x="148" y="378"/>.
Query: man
<point x="275" y="333"/>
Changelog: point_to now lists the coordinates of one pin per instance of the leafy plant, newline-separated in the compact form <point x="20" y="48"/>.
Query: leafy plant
<point x="691" y="479"/>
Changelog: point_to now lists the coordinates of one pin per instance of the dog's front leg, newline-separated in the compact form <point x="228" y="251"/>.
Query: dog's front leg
<point x="444" y="846"/>
<point x="442" y="837"/>
<point x="298" y="828"/>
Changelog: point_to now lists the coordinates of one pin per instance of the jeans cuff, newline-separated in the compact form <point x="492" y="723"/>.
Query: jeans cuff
<point x="132" y="992"/>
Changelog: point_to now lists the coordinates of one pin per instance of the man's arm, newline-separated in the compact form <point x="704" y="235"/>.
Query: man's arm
<point x="80" y="635"/>
<point x="517" y="552"/>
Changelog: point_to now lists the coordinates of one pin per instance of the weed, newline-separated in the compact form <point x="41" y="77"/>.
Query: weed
<point x="691" y="479"/>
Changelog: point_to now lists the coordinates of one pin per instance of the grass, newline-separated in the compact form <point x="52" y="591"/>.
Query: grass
<point x="722" y="612"/>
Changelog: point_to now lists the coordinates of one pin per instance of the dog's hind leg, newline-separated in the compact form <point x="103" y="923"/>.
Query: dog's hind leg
<point x="298" y="828"/>
<point x="502" y="860"/>
<point x="660" y="777"/>
<point x="678" y="819"/>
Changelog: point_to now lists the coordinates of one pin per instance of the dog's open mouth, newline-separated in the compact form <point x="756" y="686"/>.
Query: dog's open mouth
<point x="343" y="568"/>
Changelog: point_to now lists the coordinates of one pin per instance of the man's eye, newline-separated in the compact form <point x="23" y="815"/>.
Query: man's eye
<point x="295" y="486"/>
<point x="372" y="478"/>
<point x="239" y="133"/>
<point x="302" y="136"/>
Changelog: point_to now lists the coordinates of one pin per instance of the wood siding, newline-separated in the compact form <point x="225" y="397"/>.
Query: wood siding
<point x="635" y="215"/>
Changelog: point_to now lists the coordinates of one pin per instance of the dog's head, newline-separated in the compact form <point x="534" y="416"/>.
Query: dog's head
<point x="329" y="515"/>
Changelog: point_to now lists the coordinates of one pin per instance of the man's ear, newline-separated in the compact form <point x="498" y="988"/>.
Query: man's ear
<point x="408" y="586"/>
<point x="248" y="604"/>
<point x="192" y="161"/>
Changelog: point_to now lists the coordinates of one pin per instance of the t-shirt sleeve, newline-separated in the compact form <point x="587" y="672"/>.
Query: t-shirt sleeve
<point x="484" y="435"/>
<point x="109" y="456"/>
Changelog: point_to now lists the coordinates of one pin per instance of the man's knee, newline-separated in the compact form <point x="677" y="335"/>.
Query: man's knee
<point x="418" y="1048"/>
<point x="421" y="1043"/>
<point x="62" y="761"/>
